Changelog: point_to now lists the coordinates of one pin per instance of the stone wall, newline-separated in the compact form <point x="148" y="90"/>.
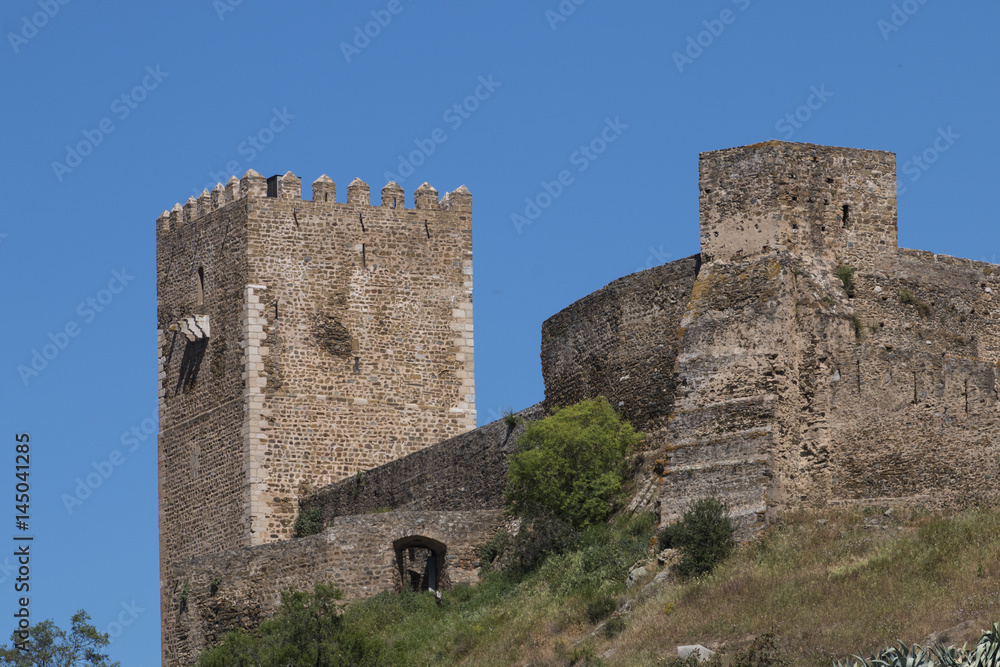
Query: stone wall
<point x="620" y="342"/>
<point x="467" y="472"/>
<point x="797" y="197"/>
<point x="205" y="597"/>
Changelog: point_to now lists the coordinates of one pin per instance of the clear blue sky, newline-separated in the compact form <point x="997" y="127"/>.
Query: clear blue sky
<point x="200" y="77"/>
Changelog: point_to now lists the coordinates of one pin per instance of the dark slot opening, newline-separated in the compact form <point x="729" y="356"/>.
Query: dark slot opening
<point x="394" y="202"/>
<point x="364" y="262"/>
<point x="361" y="219"/>
<point x="846" y="215"/>
<point x="201" y="285"/>
<point x="326" y="196"/>
<point x="357" y="364"/>
<point x="272" y="186"/>
<point x="427" y="230"/>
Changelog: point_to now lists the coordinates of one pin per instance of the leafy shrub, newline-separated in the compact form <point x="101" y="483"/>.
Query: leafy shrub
<point x="537" y="539"/>
<point x="613" y="627"/>
<point x="309" y="522"/>
<point x="905" y="296"/>
<point x="846" y="274"/>
<point x="307" y="629"/>
<point x="762" y="652"/>
<point x="705" y="536"/>
<point x="601" y="608"/>
<point x="492" y="550"/>
<point x="572" y="464"/>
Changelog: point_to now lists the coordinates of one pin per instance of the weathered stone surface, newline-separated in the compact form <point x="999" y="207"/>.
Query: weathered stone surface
<point x="360" y="555"/>
<point x="700" y="651"/>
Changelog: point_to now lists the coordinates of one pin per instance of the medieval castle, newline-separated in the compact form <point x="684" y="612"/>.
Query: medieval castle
<point x="316" y="354"/>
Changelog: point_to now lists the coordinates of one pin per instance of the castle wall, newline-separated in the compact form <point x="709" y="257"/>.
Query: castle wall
<point x="201" y="458"/>
<point x="357" y="555"/>
<point x="466" y="472"/>
<point x="620" y="342"/>
<point x="367" y="314"/>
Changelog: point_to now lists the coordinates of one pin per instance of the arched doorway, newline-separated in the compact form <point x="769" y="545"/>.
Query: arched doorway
<point x="421" y="563"/>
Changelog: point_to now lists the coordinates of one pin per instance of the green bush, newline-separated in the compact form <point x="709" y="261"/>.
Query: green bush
<point x="307" y="629"/>
<point x="309" y="522"/>
<point x="600" y="608"/>
<point x="537" y="539"/>
<point x="762" y="652"/>
<point x="572" y="464"/>
<point x="705" y="536"/>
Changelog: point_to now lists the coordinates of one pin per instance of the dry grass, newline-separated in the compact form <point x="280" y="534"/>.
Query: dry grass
<point x="827" y="584"/>
<point x="831" y="584"/>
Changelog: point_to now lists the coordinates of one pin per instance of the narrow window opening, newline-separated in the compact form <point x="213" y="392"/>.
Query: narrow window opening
<point x="427" y="230"/>
<point x="272" y="186"/>
<point x="361" y="219"/>
<point x="357" y="364"/>
<point x="846" y="216"/>
<point x="364" y="262"/>
<point x="326" y="196"/>
<point x="394" y="202"/>
<point x="275" y="309"/>
<point x="201" y="286"/>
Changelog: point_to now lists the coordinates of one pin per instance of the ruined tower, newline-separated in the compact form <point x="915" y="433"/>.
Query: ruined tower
<point x="302" y="342"/>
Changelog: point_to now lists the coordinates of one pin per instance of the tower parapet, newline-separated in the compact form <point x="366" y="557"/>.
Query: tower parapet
<point x="837" y="202"/>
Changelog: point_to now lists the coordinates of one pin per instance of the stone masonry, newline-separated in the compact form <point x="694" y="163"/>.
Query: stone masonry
<point x="319" y="355"/>
<point x="302" y="342"/>
<point x="789" y="385"/>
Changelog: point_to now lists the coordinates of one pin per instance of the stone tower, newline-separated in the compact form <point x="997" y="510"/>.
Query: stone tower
<point x="302" y="342"/>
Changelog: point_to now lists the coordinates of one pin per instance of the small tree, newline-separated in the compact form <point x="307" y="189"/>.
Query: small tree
<point x="49" y="646"/>
<point x="572" y="464"/>
<point x="705" y="536"/>
<point x="308" y="522"/>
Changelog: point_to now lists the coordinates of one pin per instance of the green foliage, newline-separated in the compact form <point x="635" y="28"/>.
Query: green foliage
<point x="857" y="326"/>
<point x="510" y="419"/>
<point x="307" y="630"/>
<point x="705" y="536"/>
<point x="308" y="522"/>
<point x="906" y="296"/>
<point x="986" y="653"/>
<point x="846" y="274"/>
<point x="600" y="608"/>
<point x="762" y="652"/>
<point x="49" y="646"/>
<point x="492" y="550"/>
<point x="614" y="627"/>
<point x="538" y="538"/>
<point x="213" y="587"/>
<point x="572" y="464"/>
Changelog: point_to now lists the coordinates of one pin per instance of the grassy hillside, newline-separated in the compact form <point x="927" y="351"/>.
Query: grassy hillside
<point x="827" y="584"/>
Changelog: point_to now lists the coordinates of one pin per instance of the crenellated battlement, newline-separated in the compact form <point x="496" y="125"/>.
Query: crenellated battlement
<point x="288" y="187"/>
